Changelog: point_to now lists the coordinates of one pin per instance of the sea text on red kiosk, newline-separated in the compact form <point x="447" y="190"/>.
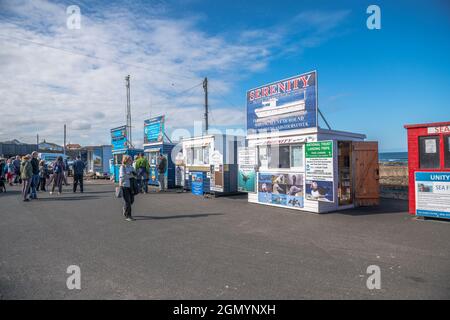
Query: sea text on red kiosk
<point x="444" y="129"/>
<point x="280" y="87"/>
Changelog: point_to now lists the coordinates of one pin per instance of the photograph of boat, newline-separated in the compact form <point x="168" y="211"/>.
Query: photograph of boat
<point x="270" y="108"/>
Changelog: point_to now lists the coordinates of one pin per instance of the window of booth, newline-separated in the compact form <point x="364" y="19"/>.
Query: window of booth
<point x="446" y="151"/>
<point x="190" y="156"/>
<point x="205" y="151"/>
<point x="297" y="156"/>
<point x="197" y="156"/>
<point x="429" y="152"/>
<point x="281" y="156"/>
<point x="263" y="157"/>
<point x="118" y="158"/>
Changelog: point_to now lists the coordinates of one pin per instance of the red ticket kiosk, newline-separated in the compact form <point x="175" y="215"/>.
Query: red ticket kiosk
<point x="429" y="169"/>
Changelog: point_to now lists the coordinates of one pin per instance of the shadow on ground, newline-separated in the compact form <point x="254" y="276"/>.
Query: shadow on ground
<point x="387" y="206"/>
<point x="182" y="216"/>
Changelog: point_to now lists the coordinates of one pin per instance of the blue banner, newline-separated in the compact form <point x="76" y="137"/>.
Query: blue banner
<point x="154" y="130"/>
<point x="283" y="105"/>
<point x="119" y="139"/>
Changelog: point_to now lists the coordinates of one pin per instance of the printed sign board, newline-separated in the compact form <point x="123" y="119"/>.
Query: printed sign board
<point x="319" y="171"/>
<point x="283" y="105"/>
<point x="247" y="169"/>
<point x="119" y="140"/>
<point x="281" y="189"/>
<point x="433" y="194"/>
<point x="154" y="130"/>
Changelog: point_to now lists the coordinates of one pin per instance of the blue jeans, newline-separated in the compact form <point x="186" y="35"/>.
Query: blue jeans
<point x="34" y="185"/>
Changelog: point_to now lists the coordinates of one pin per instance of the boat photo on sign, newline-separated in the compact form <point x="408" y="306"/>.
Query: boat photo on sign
<point x="283" y="105"/>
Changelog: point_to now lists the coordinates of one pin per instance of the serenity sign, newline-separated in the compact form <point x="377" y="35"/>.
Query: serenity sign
<point x="283" y="105"/>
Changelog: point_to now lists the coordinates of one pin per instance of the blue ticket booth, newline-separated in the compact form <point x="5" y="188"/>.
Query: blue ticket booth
<point x="152" y="152"/>
<point x="118" y="157"/>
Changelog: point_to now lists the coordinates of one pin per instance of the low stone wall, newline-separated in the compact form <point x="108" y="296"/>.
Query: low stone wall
<point x="394" y="181"/>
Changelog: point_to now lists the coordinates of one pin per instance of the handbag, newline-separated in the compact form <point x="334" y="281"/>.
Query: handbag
<point x="118" y="192"/>
<point x="134" y="186"/>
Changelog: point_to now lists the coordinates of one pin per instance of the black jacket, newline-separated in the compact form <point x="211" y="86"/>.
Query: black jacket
<point x="78" y="167"/>
<point x="35" y="165"/>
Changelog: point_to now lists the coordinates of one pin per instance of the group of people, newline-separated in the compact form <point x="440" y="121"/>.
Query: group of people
<point x="35" y="175"/>
<point x="134" y="177"/>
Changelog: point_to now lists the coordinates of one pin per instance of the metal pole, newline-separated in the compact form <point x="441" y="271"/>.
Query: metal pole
<point x="127" y="80"/>
<point x="205" y="87"/>
<point x="65" y="135"/>
<point x="325" y="120"/>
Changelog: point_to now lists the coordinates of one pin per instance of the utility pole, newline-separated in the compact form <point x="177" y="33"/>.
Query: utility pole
<point x="205" y="87"/>
<point x="65" y="135"/>
<point x="37" y="140"/>
<point x="127" y="83"/>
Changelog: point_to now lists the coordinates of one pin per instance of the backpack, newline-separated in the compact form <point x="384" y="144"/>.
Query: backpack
<point x="57" y="168"/>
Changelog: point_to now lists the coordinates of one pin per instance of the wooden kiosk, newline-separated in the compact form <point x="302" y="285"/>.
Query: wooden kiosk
<point x="297" y="164"/>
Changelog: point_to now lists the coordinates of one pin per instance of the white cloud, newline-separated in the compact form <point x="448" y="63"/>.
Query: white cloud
<point x="44" y="86"/>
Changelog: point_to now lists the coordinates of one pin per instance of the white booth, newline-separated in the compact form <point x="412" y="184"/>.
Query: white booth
<point x="211" y="162"/>
<point x="291" y="162"/>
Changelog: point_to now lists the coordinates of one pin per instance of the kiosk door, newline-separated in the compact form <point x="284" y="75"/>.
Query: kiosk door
<point x="366" y="173"/>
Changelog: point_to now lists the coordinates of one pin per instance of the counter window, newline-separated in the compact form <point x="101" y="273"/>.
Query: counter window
<point x="429" y="155"/>
<point x="447" y="151"/>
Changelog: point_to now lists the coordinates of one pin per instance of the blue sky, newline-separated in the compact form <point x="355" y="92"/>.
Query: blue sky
<point x="370" y="81"/>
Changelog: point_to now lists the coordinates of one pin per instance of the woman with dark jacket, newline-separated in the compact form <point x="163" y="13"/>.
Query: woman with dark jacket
<point x="58" y="175"/>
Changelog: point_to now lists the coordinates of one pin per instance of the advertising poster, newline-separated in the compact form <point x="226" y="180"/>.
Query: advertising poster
<point x="247" y="169"/>
<point x="433" y="194"/>
<point x="281" y="189"/>
<point x="197" y="183"/>
<point x="319" y="171"/>
<point x="154" y="130"/>
<point x="119" y="140"/>
<point x="98" y="159"/>
<point x="283" y="105"/>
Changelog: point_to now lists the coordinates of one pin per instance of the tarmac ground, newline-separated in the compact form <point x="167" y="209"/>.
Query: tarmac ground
<point x="186" y="247"/>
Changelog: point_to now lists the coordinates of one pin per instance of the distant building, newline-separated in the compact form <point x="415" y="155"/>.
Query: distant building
<point x="50" y="147"/>
<point x="16" y="148"/>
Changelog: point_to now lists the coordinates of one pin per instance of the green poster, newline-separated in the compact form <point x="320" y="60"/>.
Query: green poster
<point x="321" y="149"/>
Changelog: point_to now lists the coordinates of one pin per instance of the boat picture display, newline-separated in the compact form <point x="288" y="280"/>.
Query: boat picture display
<point x="283" y="105"/>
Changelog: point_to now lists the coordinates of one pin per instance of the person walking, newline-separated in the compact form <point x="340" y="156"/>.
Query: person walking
<point x="11" y="171"/>
<point x="43" y="174"/>
<point x="26" y="174"/>
<point x="126" y="173"/>
<point x="58" y="175"/>
<point x="35" y="178"/>
<point x="17" y="163"/>
<point x="162" y="167"/>
<point x="78" y="173"/>
<point x="3" y="171"/>
<point x="66" y="172"/>
<point x="143" y="172"/>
